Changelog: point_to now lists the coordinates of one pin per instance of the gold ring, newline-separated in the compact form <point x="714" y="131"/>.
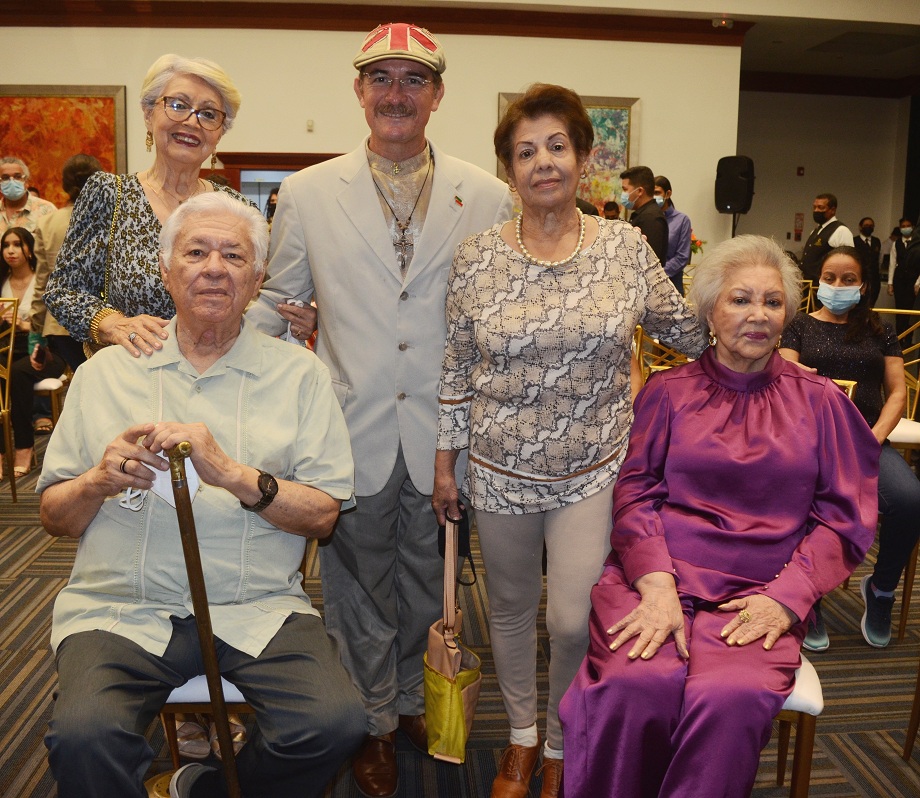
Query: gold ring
<point x="123" y="464"/>
<point x="744" y="616"/>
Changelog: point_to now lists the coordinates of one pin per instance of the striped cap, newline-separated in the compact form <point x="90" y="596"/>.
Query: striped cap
<point x="401" y="40"/>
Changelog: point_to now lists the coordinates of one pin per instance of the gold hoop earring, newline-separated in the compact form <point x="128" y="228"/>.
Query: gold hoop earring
<point x="712" y="338"/>
<point x="213" y="161"/>
<point x="149" y="141"/>
<point x="779" y="342"/>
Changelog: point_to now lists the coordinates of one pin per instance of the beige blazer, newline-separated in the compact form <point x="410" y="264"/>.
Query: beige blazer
<point x="49" y="235"/>
<point x="381" y="336"/>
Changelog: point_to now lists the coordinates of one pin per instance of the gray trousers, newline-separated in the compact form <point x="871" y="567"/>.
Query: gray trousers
<point x="309" y="718"/>
<point x="577" y="541"/>
<point x="382" y="589"/>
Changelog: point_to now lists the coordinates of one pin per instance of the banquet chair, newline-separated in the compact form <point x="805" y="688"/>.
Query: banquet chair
<point x="654" y="356"/>
<point x="8" y="308"/>
<point x="802" y="707"/>
<point x="55" y="388"/>
<point x="807" y="304"/>
<point x="193" y="696"/>
<point x="914" y="722"/>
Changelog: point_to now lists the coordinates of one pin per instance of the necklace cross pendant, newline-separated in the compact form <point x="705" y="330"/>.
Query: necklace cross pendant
<point x="403" y="247"/>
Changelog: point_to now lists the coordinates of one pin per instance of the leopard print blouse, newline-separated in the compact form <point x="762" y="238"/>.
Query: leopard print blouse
<point x="74" y="290"/>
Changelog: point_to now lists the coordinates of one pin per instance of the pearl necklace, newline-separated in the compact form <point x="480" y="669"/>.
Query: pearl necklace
<point x="549" y="264"/>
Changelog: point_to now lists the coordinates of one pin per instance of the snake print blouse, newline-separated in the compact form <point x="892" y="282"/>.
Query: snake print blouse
<point x="536" y="369"/>
<point x="74" y="290"/>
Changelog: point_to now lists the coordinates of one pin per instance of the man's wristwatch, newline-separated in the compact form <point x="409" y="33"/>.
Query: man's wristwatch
<point x="269" y="487"/>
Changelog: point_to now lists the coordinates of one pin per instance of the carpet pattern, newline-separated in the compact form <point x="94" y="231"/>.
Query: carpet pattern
<point x="868" y="692"/>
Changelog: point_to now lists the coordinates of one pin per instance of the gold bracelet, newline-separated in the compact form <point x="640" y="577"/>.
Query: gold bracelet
<point x="97" y="319"/>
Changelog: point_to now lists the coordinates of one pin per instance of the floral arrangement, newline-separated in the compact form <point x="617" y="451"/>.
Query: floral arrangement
<point x="696" y="246"/>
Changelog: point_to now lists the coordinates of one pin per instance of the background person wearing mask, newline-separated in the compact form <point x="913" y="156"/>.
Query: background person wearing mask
<point x="638" y="195"/>
<point x="679" y="230"/>
<point x="18" y="207"/>
<point x="869" y="248"/>
<point x="901" y="282"/>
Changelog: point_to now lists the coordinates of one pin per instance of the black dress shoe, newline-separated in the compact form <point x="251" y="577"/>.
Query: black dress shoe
<point x="374" y="768"/>
<point x="415" y="728"/>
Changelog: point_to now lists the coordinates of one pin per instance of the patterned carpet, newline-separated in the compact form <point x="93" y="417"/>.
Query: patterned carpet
<point x="868" y="693"/>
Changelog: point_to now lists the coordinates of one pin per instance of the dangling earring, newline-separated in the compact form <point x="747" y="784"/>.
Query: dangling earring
<point x="213" y="161"/>
<point x="149" y="141"/>
<point x="712" y="338"/>
<point x="779" y="342"/>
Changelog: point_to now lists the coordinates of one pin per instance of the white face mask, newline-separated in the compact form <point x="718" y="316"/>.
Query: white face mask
<point x="660" y="200"/>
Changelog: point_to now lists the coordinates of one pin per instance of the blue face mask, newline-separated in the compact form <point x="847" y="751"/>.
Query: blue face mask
<point x="659" y="200"/>
<point x="625" y="201"/>
<point x="907" y="232"/>
<point x="13" y="189"/>
<point x="839" y="300"/>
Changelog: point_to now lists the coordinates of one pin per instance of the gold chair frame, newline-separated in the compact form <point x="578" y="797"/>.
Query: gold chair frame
<point x="8" y="306"/>
<point x="654" y="356"/>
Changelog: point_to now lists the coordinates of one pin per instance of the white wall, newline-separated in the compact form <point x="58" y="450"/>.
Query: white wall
<point x="688" y="109"/>
<point x="853" y="147"/>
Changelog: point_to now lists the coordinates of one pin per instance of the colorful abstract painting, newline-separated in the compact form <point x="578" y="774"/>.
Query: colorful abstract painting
<point x="614" y="120"/>
<point x="45" y="125"/>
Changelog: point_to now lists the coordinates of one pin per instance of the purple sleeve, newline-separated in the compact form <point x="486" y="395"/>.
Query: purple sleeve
<point x="638" y="532"/>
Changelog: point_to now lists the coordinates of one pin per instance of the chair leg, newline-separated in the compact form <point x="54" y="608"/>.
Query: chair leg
<point x="169" y="728"/>
<point x="906" y="592"/>
<point x="801" y="759"/>
<point x="914" y="722"/>
<point x="782" y="755"/>
<point x="10" y="455"/>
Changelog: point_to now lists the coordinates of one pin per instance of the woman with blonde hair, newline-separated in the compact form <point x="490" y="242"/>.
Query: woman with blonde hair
<point x="106" y="288"/>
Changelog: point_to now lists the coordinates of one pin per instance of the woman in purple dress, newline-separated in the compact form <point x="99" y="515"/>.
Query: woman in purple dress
<point x="748" y="491"/>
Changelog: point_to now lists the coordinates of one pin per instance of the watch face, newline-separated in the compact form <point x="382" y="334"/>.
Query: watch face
<point x="268" y="484"/>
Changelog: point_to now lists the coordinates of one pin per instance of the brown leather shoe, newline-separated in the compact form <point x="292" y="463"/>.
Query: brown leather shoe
<point x="514" y="771"/>
<point x="374" y="768"/>
<point x="552" y="778"/>
<point x="415" y="728"/>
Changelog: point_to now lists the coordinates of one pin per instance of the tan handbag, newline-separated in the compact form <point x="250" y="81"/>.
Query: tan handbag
<point x="453" y="673"/>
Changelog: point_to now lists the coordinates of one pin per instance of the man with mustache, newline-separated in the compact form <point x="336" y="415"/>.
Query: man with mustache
<point x="370" y="236"/>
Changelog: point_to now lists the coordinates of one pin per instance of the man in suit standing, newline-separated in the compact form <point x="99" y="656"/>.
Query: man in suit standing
<point x="869" y="248"/>
<point x="829" y="233"/>
<point x="371" y="236"/>
<point x="638" y="195"/>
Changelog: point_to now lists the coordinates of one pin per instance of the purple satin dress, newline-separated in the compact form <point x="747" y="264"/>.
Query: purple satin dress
<point x="737" y="484"/>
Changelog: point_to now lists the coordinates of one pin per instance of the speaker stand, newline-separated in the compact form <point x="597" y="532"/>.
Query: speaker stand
<point x="735" y="223"/>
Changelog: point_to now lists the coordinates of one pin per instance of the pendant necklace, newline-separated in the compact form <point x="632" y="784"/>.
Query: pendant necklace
<point x="549" y="264"/>
<point x="402" y="244"/>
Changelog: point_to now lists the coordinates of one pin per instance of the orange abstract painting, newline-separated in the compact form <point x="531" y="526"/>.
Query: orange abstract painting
<point x="44" y="131"/>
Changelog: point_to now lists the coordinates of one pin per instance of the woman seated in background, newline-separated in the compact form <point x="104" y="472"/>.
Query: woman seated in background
<point x="17" y="279"/>
<point x="747" y="493"/>
<point x="541" y="313"/>
<point x="845" y="339"/>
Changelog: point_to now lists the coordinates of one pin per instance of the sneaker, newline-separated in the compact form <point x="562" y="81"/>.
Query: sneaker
<point x="876" y="620"/>
<point x="817" y="639"/>
<point x="194" y="781"/>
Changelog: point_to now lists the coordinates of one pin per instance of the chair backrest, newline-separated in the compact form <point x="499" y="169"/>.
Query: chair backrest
<point x="911" y="353"/>
<point x="807" y="303"/>
<point x="849" y="387"/>
<point x="9" y="306"/>
<point x="654" y="356"/>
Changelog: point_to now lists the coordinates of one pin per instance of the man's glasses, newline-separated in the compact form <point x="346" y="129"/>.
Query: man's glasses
<point x="179" y="110"/>
<point x="410" y="85"/>
<point x="7" y="178"/>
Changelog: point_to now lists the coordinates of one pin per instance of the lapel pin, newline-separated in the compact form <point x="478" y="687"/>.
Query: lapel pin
<point x="457" y="201"/>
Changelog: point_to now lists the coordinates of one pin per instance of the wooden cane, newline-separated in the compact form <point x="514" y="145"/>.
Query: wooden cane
<point x="189" y="537"/>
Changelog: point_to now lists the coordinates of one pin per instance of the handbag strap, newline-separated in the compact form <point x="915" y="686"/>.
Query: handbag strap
<point x="450" y="578"/>
<point x="108" y="246"/>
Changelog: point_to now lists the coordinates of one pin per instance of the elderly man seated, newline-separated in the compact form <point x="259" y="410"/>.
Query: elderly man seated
<point x="270" y="467"/>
